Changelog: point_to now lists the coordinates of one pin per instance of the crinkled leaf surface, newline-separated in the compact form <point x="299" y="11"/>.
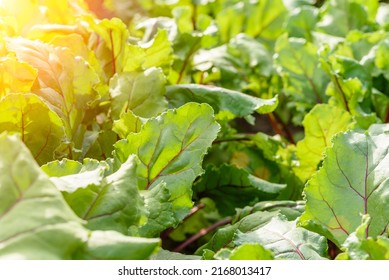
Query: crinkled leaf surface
<point x="28" y="116"/>
<point x="231" y="187"/>
<point x="170" y="148"/>
<point x="320" y="125"/>
<point x="221" y="100"/>
<point x="140" y="92"/>
<point x="36" y="222"/>
<point x="353" y="181"/>
<point x="285" y="240"/>
<point x="108" y="202"/>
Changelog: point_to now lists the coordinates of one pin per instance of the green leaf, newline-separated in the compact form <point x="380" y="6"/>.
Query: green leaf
<point x="160" y="211"/>
<point x="304" y="82"/>
<point x="338" y="17"/>
<point x="67" y="83"/>
<point x="223" y="238"/>
<point x="359" y="247"/>
<point x="221" y="100"/>
<point x="290" y="209"/>
<point x="140" y="92"/>
<point x="231" y="187"/>
<point x="157" y="52"/>
<point x="350" y="88"/>
<point x="243" y="63"/>
<point x="36" y="222"/>
<point x="320" y="124"/>
<point x="127" y="124"/>
<point x="28" y="116"/>
<point x="170" y="148"/>
<point x="15" y="76"/>
<point x="172" y="256"/>
<point x="202" y="215"/>
<point x="111" y="245"/>
<point x="302" y="22"/>
<point x="109" y="42"/>
<point x="266" y="19"/>
<point x="108" y="202"/>
<point x="381" y="104"/>
<point x="352" y="182"/>
<point x="285" y="240"/>
<point x="382" y="58"/>
<point x="245" y="251"/>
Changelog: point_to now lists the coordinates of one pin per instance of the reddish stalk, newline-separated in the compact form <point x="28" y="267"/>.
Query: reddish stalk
<point x="201" y="233"/>
<point x="283" y="130"/>
<point x="193" y="211"/>
<point x="387" y="115"/>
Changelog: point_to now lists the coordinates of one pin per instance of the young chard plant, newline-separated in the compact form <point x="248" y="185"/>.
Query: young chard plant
<point x="221" y="129"/>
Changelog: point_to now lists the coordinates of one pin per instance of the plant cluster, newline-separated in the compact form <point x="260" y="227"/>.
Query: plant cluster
<point x="194" y="129"/>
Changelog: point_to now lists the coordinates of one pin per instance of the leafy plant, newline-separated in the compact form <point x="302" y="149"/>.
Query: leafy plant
<point x="200" y="130"/>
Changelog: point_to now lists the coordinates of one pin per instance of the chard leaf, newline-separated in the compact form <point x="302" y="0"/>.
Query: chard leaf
<point x="266" y="19"/>
<point x="320" y="125"/>
<point x="127" y="124"/>
<point x="221" y="100"/>
<point x="109" y="202"/>
<point x="65" y="82"/>
<point x="224" y="236"/>
<point x="381" y="104"/>
<point x="170" y="148"/>
<point x="36" y="222"/>
<point x="303" y="81"/>
<point x="301" y="22"/>
<point x="382" y="58"/>
<point x="359" y="247"/>
<point x="159" y="210"/>
<point x="231" y="187"/>
<point x="247" y="251"/>
<point x="109" y="41"/>
<point x="111" y="245"/>
<point x="353" y="181"/>
<point x="155" y="53"/>
<point x="28" y="116"/>
<point x="290" y="209"/>
<point x="285" y="240"/>
<point x="262" y="19"/>
<point x="140" y="92"/>
<point x="167" y="255"/>
<point x="340" y="16"/>
<point x="15" y="76"/>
